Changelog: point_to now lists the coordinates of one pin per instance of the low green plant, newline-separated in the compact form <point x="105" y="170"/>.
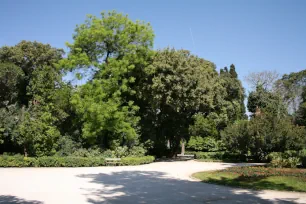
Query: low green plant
<point x="287" y="159"/>
<point x="70" y="161"/>
<point x="220" y="156"/>
<point x="137" y="160"/>
<point x="87" y="153"/>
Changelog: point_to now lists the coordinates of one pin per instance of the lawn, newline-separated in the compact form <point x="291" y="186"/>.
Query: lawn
<point x="259" y="178"/>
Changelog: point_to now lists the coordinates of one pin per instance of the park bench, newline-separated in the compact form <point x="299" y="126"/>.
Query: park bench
<point x="112" y="161"/>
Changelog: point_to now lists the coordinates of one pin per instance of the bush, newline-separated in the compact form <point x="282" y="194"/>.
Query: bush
<point x="219" y="156"/>
<point x="137" y="151"/>
<point x="209" y="155"/>
<point x="137" y="160"/>
<point x="209" y="144"/>
<point x="67" y="146"/>
<point x="70" y="161"/>
<point x="87" y="153"/>
<point x="288" y="159"/>
<point x="108" y="154"/>
<point x="16" y="161"/>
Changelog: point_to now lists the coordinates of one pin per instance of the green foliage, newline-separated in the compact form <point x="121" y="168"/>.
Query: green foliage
<point x="208" y="144"/>
<point x="236" y="137"/>
<point x="220" y="156"/>
<point x="203" y="127"/>
<point x="209" y="155"/>
<point x="32" y="58"/>
<point x="66" y="146"/>
<point x="203" y="135"/>
<point x="288" y="159"/>
<point x="292" y="88"/>
<point x="70" y="161"/>
<point x="37" y="136"/>
<point x="17" y="161"/>
<point x="262" y="135"/>
<point x="33" y="83"/>
<point x="137" y="160"/>
<point x="115" y="46"/>
<point x="11" y="77"/>
<point x="232" y="103"/>
<point x="301" y="111"/>
<point x="177" y="86"/>
<point x="137" y="151"/>
<point x="81" y="152"/>
<point x="267" y="101"/>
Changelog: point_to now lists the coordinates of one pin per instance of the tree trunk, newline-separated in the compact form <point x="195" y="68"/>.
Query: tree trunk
<point x="25" y="151"/>
<point x="183" y="148"/>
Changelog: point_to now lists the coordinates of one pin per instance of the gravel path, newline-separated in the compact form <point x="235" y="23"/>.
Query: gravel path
<point x="159" y="182"/>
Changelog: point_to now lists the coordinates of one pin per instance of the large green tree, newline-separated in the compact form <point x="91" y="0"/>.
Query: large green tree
<point x="116" y="49"/>
<point x="178" y="85"/>
<point x="30" y="81"/>
<point x="32" y="58"/>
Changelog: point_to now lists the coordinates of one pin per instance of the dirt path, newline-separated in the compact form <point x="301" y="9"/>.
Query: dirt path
<point x="160" y="182"/>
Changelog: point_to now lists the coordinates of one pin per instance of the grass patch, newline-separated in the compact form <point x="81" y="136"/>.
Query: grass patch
<point x="259" y="178"/>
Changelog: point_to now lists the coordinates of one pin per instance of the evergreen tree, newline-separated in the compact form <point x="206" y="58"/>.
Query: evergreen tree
<point x="233" y="72"/>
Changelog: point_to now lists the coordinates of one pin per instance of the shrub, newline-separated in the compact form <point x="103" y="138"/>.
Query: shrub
<point x="108" y="154"/>
<point x="137" y="160"/>
<point x="288" y="159"/>
<point x="220" y="156"/>
<point x="70" y="161"/>
<point x="13" y="161"/>
<point x="209" y="144"/>
<point x="67" y="146"/>
<point x="87" y="153"/>
<point x="137" y="151"/>
<point x="209" y="155"/>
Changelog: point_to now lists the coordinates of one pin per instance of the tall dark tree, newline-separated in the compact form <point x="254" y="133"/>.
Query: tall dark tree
<point x="233" y="72"/>
<point x="178" y="86"/>
<point x="300" y="118"/>
<point x="30" y="71"/>
<point x="233" y="95"/>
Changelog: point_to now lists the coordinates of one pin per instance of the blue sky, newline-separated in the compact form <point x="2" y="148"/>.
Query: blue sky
<point x="254" y="35"/>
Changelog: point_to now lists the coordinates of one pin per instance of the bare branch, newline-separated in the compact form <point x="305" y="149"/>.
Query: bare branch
<point x="266" y="79"/>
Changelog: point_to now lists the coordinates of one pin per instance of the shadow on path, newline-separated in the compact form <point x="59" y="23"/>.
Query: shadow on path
<point x="7" y="199"/>
<point x="157" y="187"/>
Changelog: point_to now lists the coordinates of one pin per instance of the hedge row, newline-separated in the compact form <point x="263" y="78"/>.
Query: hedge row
<point x="137" y="160"/>
<point x="219" y="156"/>
<point x="20" y="161"/>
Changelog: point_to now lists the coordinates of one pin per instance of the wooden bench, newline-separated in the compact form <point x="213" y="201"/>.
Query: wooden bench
<point x="113" y="161"/>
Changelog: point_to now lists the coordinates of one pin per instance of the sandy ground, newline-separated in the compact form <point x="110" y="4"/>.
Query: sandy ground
<point x="159" y="182"/>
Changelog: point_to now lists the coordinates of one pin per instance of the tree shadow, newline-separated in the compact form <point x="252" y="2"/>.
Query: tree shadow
<point x="157" y="187"/>
<point x="8" y="199"/>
